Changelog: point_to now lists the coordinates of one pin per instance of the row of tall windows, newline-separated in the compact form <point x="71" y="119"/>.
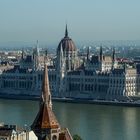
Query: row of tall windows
<point x="17" y="84"/>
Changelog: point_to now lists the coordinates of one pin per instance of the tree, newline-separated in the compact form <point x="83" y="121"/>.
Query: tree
<point x="76" y="137"/>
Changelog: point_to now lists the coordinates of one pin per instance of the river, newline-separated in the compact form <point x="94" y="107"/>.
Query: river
<point x="91" y="122"/>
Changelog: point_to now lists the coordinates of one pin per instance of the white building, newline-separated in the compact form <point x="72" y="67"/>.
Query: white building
<point x="98" y="78"/>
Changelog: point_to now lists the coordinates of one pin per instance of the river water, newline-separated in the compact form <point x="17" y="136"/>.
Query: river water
<point x="91" y="122"/>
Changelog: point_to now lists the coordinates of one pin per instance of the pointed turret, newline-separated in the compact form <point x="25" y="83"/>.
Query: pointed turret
<point x="60" y="58"/>
<point x="45" y="57"/>
<point x="101" y="53"/>
<point x="113" y="58"/>
<point x="36" y="50"/>
<point x="66" y="31"/>
<point x="22" y="55"/>
<point x="35" y="56"/>
<point x="46" y="89"/>
<point x="113" y="55"/>
<point x="88" y="53"/>
<point x="37" y="46"/>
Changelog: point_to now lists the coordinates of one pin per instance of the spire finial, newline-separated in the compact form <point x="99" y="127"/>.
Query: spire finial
<point x="66" y="31"/>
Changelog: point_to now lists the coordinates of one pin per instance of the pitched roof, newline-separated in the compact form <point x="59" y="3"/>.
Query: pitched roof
<point x="45" y="118"/>
<point x="5" y="131"/>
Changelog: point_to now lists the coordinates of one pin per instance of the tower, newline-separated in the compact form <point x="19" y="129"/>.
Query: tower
<point x="61" y="59"/>
<point x="45" y="125"/>
<point x="113" y="58"/>
<point x="66" y="61"/>
<point x="22" y="55"/>
<point x="36" y="56"/>
<point x="61" y="71"/>
<point x="88" y="53"/>
<point x="113" y="55"/>
<point x="69" y="51"/>
<point x="101" y="53"/>
<point x="101" y="59"/>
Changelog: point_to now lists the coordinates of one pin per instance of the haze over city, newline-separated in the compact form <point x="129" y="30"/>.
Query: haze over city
<point x="88" y="21"/>
<point x="69" y="69"/>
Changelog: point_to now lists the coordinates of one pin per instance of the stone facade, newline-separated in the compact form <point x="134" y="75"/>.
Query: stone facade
<point x="98" y="77"/>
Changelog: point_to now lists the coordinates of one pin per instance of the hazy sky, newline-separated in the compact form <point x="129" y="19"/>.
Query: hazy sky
<point x="88" y="20"/>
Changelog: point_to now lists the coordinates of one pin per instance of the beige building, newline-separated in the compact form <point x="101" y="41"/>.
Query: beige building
<point x="11" y="132"/>
<point x="122" y="83"/>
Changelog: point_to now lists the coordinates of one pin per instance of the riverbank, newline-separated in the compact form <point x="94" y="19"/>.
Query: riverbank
<point x="73" y="100"/>
<point x="98" y="102"/>
<point x="19" y="97"/>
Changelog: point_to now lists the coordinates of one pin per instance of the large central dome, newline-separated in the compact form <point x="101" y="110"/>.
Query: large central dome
<point x="66" y="43"/>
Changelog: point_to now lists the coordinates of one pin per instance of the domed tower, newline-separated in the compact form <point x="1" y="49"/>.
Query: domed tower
<point x="66" y="61"/>
<point x="67" y="53"/>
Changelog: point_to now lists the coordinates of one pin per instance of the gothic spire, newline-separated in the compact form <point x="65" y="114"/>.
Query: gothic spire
<point x="88" y="53"/>
<point x="113" y="58"/>
<point x="101" y="53"/>
<point x="22" y="55"/>
<point x="66" y="31"/>
<point x="46" y="96"/>
<point x="45" y="119"/>
<point x="37" y="46"/>
<point x="113" y="55"/>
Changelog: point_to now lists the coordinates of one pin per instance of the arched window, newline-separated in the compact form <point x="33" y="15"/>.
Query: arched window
<point x="54" y="137"/>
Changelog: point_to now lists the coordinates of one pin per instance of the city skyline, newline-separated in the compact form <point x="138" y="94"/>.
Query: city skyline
<point x="87" y="21"/>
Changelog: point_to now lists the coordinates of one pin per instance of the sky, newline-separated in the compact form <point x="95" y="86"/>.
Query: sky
<point x="88" y="20"/>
